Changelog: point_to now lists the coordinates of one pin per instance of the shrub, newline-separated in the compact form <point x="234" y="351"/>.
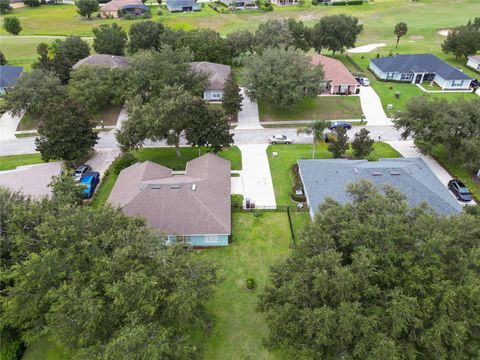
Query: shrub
<point x="122" y="162"/>
<point x="159" y="12"/>
<point x="250" y="283"/>
<point x="378" y="55"/>
<point x="397" y="94"/>
<point x="12" y="25"/>
<point x="237" y="200"/>
<point x="32" y="3"/>
<point x="316" y="2"/>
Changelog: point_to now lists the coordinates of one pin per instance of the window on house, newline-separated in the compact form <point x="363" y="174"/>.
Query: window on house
<point x="406" y="77"/>
<point x="390" y="75"/>
<point x="457" y="83"/>
<point x="217" y="95"/>
<point x="211" y="239"/>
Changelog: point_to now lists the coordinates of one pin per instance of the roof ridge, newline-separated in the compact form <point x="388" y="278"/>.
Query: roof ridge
<point x="208" y="210"/>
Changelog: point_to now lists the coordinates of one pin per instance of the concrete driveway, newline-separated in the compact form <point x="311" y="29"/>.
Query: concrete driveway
<point x="248" y="118"/>
<point x="372" y="107"/>
<point x="8" y="126"/>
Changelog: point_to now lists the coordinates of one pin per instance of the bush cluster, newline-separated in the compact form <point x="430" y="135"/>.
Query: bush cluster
<point x="250" y="283"/>
<point x="297" y="185"/>
<point x="122" y="162"/>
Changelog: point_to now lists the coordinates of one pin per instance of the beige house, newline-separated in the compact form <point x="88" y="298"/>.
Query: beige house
<point x="117" y="8"/>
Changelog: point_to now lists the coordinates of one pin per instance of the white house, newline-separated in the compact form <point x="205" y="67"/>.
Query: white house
<point x="217" y="77"/>
<point x="474" y="62"/>
<point x="419" y="68"/>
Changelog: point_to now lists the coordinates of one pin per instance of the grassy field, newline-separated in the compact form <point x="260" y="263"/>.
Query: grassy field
<point x="289" y="154"/>
<point x="166" y="157"/>
<point x="10" y="162"/>
<point x="318" y="108"/>
<point x="259" y="241"/>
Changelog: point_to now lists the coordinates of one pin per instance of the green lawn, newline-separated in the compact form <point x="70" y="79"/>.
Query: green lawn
<point x="289" y="154"/>
<point x="166" y="157"/>
<point x="10" y="162"/>
<point x="258" y="242"/>
<point x="440" y="154"/>
<point x="318" y="108"/>
<point x="45" y="350"/>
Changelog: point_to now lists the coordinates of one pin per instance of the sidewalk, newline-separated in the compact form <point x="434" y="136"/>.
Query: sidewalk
<point x="256" y="177"/>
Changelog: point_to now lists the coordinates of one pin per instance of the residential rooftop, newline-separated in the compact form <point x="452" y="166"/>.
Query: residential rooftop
<point x="111" y="61"/>
<point x="217" y="73"/>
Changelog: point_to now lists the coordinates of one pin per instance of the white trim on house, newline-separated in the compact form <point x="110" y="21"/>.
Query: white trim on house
<point x="213" y="95"/>
<point x="473" y="63"/>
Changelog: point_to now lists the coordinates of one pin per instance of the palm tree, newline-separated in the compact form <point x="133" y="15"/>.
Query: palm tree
<point x="316" y="129"/>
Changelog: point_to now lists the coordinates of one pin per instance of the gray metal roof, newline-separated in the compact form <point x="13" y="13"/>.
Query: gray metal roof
<point x="425" y="63"/>
<point x="9" y="75"/>
<point x="328" y="179"/>
<point x="196" y="203"/>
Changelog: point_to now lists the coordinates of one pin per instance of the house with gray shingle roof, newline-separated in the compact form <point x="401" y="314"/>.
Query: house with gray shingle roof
<point x="324" y="179"/>
<point x="183" y="6"/>
<point x="110" y="61"/>
<point x="194" y="206"/>
<point x="418" y="68"/>
<point x="217" y="77"/>
<point x="474" y="62"/>
<point x="9" y="76"/>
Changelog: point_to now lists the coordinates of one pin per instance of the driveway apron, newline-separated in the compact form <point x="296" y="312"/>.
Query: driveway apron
<point x="248" y="118"/>
<point x="372" y="107"/>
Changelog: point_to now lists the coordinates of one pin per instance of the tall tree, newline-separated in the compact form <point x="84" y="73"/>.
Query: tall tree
<point x="462" y="41"/>
<point x="207" y="45"/>
<point x="101" y="284"/>
<point x="86" y="8"/>
<point x="109" y="39"/>
<point x="338" y="142"/>
<point x="335" y="33"/>
<point x="66" y="131"/>
<point x="67" y="53"/>
<point x="232" y="98"/>
<point x="282" y="77"/>
<point x="240" y="42"/>
<point x="362" y="144"/>
<point x="145" y="35"/>
<point x="373" y="279"/>
<point x="33" y="91"/>
<point x="3" y="59"/>
<point x="44" y="61"/>
<point x="400" y="30"/>
<point x="12" y="25"/>
<point x="274" y="33"/>
<point x="316" y="130"/>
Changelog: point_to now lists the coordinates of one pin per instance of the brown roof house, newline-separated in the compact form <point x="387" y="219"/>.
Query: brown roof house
<point x="194" y="206"/>
<point x="217" y="76"/>
<point x="118" y="8"/>
<point x="110" y="61"/>
<point x="338" y="79"/>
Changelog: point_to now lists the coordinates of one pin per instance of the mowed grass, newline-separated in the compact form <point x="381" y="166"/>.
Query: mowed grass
<point x="317" y="108"/>
<point x="259" y="241"/>
<point x="289" y="154"/>
<point x="10" y="162"/>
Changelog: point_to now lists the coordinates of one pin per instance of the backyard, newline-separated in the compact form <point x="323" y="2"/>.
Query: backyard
<point x="318" y="108"/>
<point x="289" y="154"/>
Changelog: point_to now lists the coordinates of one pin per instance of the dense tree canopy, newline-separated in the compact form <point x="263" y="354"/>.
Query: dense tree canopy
<point x="240" y="42"/>
<point x="362" y="144"/>
<point x="338" y="142"/>
<point x="207" y="45"/>
<point x="67" y="53"/>
<point x="335" y="33"/>
<point x="12" y="25"/>
<point x="400" y="30"/>
<point x="86" y="8"/>
<point x="273" y="33"/>
<point x="99" y="283"/>
<point x="462" y="41"/>
<point x="455" y="125"/>
<point x="144" y="35"/>
<point x="232" y="98"/>
<point x="109" y="39"/>
<point x="281" y="76"/>
<point x="374" y="279"/>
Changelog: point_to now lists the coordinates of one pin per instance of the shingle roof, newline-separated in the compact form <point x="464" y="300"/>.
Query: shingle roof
<point x="328" y="179"/>
<point x="111" y="61"/>
<point x="182" y="4"/>
<point x="192" y="204"/>
<point x="333" y="70"/>
<point x="116" y="5"/>
<point x="427" y="63"/>
<point x="217" y="73"/>
<point x="9" y="75"/>
<point x="475" y="58"/>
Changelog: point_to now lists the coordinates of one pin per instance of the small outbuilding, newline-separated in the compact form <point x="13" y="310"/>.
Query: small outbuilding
<point x="9" y="76"/>
<point x="474" y="62"/>
<point x="183" y="6"/>
<point x="118" y="8"/>
<point x="338" y="80"/>
<point x="217" y="77"/>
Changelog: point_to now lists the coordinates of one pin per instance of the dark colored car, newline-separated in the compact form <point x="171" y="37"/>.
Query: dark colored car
<point x="459" y="190"/>
<point x="345" y="124"/>
<point x="475" y="84"/>
<point x="90" y="180"/>
<point x="81" y="170"/>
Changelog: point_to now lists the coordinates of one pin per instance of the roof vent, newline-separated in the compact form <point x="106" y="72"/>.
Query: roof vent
<point x="194" y="187"/>
<point x="393" y="172"/>
<point x="177" y="186"/>
<point x="155" y="186"/>
<point x="376" y="173"/>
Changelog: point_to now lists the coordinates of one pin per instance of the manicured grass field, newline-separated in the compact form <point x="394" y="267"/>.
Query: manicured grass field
<point x="259" y="241"/>
<point x="10" y="162"/>
<point x="166" y="157"/>
<point x="289" y="154"/>
<point x="318" y="108"/>
<point x="440" y="154"/>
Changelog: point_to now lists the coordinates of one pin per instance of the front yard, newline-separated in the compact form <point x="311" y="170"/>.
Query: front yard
<point x="10" y="162"/>
<point x="319" y="108"/>
<point x="289" y="154"/>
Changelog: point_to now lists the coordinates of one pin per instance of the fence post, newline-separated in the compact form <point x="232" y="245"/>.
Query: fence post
<point x="291" y="227"/>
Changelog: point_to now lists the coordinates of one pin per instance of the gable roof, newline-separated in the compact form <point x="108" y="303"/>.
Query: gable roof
<point x="328" y="179"/>
<point x="192" y="204"/>
<point x="9" y="75"/>
<point x="333" y="70"/>
<point x="116" y="5"/>
<point x="111" y="61"/>
<point x="475" y="58"/>
<point x="426" y="63"/>
<point x="217" y="73"/>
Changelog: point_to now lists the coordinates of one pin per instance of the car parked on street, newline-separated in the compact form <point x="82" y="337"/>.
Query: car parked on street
<point x="90" y="180"/>
<point x="345" y="124"/>
<point x="279" y="139"/>
<point x="80" y="171"/>
<point x="460" y="190"/>
<point x="363" y="81"/>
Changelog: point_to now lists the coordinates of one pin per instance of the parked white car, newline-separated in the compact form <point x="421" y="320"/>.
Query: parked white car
<point x="279" y="139"/>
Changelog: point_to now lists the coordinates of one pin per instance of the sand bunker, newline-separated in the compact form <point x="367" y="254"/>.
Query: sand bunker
<point x="365" y="48"/>
<point x="443" y="32"/>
